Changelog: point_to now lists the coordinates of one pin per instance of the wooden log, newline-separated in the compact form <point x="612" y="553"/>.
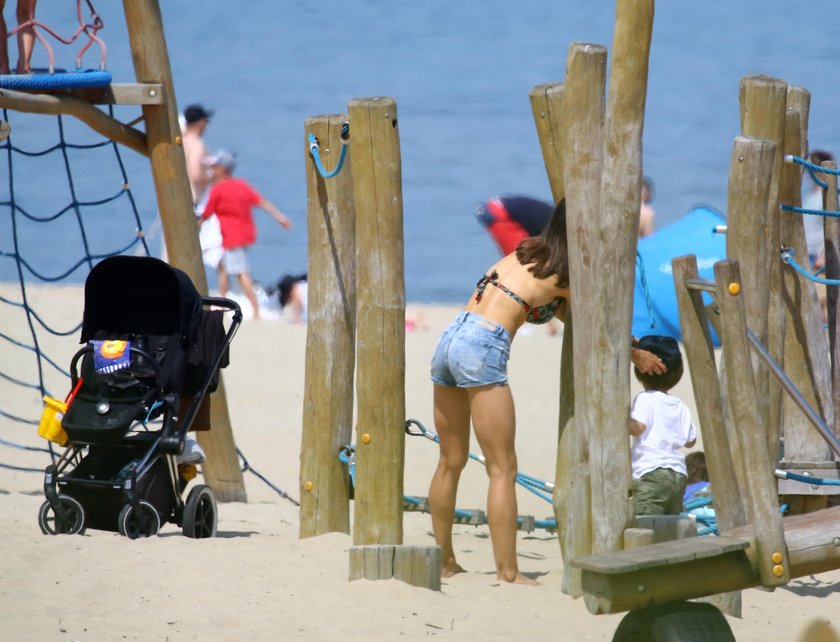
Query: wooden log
<point x="832" y="271"/>
<point x="763" y="100"/>
<point x="571" y="499"/>
<point x="415" y="565"/>
<point x="94" y="118"/>
<point x="699" y="352"/>
<point x="760" y="485"/>
<point x="547" y="106"/>
<point x="700" y="566"/>
<point x="582" y="151"/>
<point x="806" y="342"/>
<point x="169" y="171"/>
<point x="330" y="336"/>
<point x="616" y="230"/>
<point x="638" y="537"/>
<point x="380" y="287"/>
<point x="667" y="527"/>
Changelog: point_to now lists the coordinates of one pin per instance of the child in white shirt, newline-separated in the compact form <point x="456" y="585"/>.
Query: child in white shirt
<point x="660" y="425"/>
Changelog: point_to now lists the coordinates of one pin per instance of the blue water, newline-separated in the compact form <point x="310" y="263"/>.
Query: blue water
<point x="460" y="73"/>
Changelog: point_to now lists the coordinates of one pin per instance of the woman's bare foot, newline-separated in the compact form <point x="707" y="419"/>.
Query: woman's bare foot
<point x="519" y="578"/>
<point x="451" y="568"/>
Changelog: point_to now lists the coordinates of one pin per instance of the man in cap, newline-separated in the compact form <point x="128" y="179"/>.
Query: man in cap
<point x="232" y="201"/>
<point x="196" y="119"/>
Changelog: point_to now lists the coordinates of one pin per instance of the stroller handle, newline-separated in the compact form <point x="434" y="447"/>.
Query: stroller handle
<point x="228" y="304"/>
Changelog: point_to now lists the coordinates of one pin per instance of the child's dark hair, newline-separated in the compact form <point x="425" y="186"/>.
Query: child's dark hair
<point x="668" y="350"/>
<point x="695" y="463"/>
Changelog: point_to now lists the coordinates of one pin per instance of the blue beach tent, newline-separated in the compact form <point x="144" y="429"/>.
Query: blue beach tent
<point x="655" y="306"/>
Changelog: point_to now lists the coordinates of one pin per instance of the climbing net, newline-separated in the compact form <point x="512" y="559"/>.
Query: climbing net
<point x="56" y="222"/>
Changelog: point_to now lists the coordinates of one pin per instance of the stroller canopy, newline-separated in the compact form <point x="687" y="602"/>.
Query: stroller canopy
<point x="140" y="295"/>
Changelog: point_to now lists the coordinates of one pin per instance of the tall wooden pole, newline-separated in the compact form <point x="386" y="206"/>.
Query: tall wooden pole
<point x="330" y="335"/>
<point x="616" y="231"/>
<point x="832" y="271"/>
<point x="763" y="101"/>
<point x="547" y="105"/>
<point x="169" y="171"/>
<point x="380" y="372"/>
<point x="586" y="71"/>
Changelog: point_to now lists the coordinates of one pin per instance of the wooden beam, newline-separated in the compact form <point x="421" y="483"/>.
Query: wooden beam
<point x="169" y="171"/>
<point x="139" y="93"/>
<point x="94" y="118"/>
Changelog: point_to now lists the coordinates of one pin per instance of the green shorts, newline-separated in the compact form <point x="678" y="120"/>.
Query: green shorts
<point x="659" y="492"/>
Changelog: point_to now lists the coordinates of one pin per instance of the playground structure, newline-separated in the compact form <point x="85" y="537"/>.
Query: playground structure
<point x="766" y="314"/>
<point x="71" y="94"/>
<point x="592" y="152"/>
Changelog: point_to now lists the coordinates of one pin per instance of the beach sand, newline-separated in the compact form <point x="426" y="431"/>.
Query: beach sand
<point x="258" y="581"/>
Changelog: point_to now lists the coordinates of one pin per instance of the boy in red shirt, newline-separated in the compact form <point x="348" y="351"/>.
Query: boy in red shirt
<point x="232" y="201"/>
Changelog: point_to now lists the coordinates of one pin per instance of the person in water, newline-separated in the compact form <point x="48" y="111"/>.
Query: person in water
<point x="469" y="373"/>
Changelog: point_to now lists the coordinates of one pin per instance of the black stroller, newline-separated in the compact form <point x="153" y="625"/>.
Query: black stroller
<point x="152" y="343"/>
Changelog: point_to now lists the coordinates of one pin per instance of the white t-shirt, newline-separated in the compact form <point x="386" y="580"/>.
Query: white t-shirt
<point x="668" y="427"/>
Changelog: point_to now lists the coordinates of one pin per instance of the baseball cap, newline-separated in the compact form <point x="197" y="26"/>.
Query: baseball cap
<point x="666" y="348"/>
<point x="194" y="113"/>
<point x="224" y="159"/>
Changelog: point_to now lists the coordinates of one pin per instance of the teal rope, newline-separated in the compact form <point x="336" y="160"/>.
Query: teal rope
<point x="805" y="479"/>
<point x="314" y="149"/>
<point x="787" y="257"/>
<point x="803" y="210"/>
<point x="812" y="168"/>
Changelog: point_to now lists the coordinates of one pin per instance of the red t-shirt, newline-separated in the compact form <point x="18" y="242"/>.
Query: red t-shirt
<point x="231" y="199"/>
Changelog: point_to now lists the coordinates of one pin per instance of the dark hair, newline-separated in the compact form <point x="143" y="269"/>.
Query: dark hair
<point x="663" y="382"/>
<point x="695" y="463"/>
<point x="668" y="350"/>
<point x="819" y="156"/>
<point x="548" y="253"/>
<point x="284" y="287"/>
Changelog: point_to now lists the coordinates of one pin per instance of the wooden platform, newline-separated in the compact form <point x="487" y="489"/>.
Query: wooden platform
<point x="665" y="572"/>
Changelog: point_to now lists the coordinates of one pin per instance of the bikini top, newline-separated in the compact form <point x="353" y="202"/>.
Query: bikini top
<point x="538" y="315"/>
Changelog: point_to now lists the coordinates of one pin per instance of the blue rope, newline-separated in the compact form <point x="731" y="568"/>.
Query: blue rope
<point x="314" y="149"/>
<point x="803" y="210"/>
<point x="805" y="479"/>
<point x="640" y="262"/>
<point x="787" y="257"/>
<point x="812" y="168"/>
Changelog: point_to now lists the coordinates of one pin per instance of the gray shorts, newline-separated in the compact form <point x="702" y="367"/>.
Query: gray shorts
<point x="473" y="351"/>
<point x="236" y="261"/>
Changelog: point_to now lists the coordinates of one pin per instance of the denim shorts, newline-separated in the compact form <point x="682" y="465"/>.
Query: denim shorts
<point x="473" y="351"/>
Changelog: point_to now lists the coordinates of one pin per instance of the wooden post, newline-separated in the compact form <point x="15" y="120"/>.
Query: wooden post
<point x="699" y="352"/>
<point x="169" y="171"/>
<point x="750" y="171"/>
<point x="330" y="336"/>
<point x="582" y="150"/>
<point x="547" y="105"/>
<point x="616" y="231"/>
<point x="380" y="372"/>
<point x="415" y="565"/>
<point x="763" y="101"/>
<point x="806" y="342"/>
<point x="770" y="554"/>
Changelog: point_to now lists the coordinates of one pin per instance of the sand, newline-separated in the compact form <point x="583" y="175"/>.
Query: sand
<point x="258" y="581"/>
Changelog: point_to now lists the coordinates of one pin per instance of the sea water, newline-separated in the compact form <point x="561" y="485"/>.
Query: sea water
<point x="460" y="73"/>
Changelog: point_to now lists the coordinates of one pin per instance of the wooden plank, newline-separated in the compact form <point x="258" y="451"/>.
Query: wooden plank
<point x="638" y="537"/>
<point x="380" y="311"/>
<point x="138" y="93"/>
<point x="668" y="527"/>
<point x="582" y="149"/>
<point x="331" y="335"/>
<point x="661" y="554"/>
<point x="760" y="486"/>
<point x="547" y="106"/>
<point x="700" y="357"/>
<point x="222" y="471"/>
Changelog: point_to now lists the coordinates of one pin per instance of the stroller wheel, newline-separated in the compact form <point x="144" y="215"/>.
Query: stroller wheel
<point x="200" y="516"/>
<point x="144" y="522"/>
<point x="68" y="520"/>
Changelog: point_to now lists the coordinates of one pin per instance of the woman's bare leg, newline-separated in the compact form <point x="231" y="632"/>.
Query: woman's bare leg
<point x="26" y="36"/>
<point x="452" y="423"/>
<point x="248" y="288"/>
<point x="494" y="422"/>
